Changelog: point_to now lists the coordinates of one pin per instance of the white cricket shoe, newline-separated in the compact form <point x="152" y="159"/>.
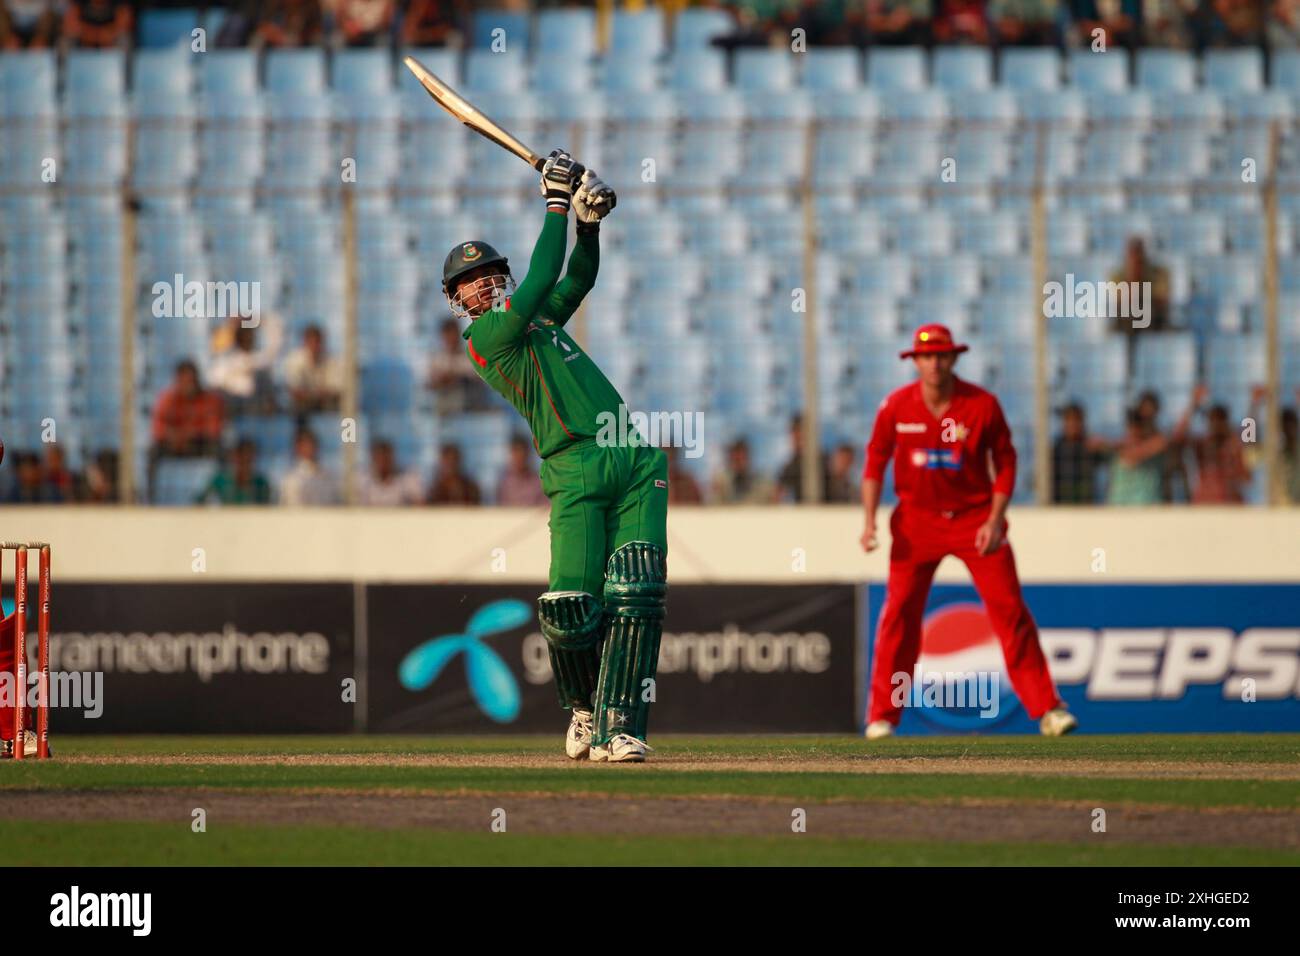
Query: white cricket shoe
<point x="577" y="742"/>
<point x="622" y="748"/>
<point x="29" y="745"/>
<point x="878" y="729"/>
<point x="1057" y="722"/>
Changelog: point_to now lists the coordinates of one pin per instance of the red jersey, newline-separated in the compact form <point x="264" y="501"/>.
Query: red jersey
<point x="949" y="463"/>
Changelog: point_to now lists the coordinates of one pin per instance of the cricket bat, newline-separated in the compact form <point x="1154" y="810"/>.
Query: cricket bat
<point x="465" y="111"/>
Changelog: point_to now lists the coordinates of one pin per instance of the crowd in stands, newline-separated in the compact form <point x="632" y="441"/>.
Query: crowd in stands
<point x="1194" y="24"/>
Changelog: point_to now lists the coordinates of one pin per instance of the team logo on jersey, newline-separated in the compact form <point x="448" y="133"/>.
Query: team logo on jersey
<point x="469" y="252"/>
<point x="948" y="459"/>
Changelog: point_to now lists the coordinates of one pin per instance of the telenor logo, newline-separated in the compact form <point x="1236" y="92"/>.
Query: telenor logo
<point x="491" y="683"/>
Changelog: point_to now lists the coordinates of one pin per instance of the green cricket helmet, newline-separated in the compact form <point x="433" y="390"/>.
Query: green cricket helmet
<point x="465" y="258"/>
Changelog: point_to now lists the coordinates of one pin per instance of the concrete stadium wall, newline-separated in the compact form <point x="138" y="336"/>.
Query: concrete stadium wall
<point x="724" y="545"/>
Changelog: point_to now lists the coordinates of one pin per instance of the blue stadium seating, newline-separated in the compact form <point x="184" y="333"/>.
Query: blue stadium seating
<point x="637" y="35"/>
<point x="695" y="29"/>
<point x="712" y="246"/>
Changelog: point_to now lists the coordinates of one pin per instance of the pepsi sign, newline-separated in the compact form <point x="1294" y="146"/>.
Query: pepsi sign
<point x="1126" y="658"/>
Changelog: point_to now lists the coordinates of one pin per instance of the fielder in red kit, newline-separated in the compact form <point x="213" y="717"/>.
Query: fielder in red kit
<point x="954" y="470"/>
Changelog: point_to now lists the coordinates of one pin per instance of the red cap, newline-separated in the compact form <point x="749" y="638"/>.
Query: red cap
<point x="932" y="338"/>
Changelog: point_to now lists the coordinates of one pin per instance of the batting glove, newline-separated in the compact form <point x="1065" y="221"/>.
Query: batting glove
<point x="559" y="176"/>
<point x="592" y="202"/>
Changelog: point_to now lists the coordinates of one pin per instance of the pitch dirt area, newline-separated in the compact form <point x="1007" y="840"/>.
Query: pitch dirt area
<point x="742" y="800"/>
<point x="961" y="821"/>
<point x="1202" y="769"/>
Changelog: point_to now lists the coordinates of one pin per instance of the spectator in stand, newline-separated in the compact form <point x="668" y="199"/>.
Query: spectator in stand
<point x="363" y="22"/>
<point x="520" y="486"/>
<point x="1221" y="472"/>
<point x="1283" y="27"/>
<point x="99" y="483"/>
<point x="960" y="21"/>
<point x="1120" y="20"/>
<point x="1138" y="267"/>
<point x="791" y="477"/>
<point x="97" y="23"/>
<point x="433" y="22"/>
<point x="1290" y="462"/>
<point x="28" y="488"/>
<point x="1168" y="23"/>
<point x="384" y="486"/>
<point x="56" y="478"/>
<point x="843" y="484"/>
<point x="37" y="484"/>
<point x="314" y="378"/>
<point x="899" y="22"/>
<point x="1239" y="22"/>
<point x="187" y="420"/>
<point x="288" y="23"/>
<point x="1076" y="458"/>
<point x="1139" y="472"/>
<point x="28" y="24"/>
<point x="451" y="378"/>
<point x="683" y="489"/>
<point x="307" y="483"/>
<point x="1025" y="22"/>
<point x="238" y="482"/>
<point x="451" y="486"/>
<point x="241" y="369"/>
<point x="739" y="484"/>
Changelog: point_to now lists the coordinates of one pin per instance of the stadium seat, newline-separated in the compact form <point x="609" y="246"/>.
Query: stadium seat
<point x="896" y="68"/>
<point x="509" y="30"/>
<point x="962" y="68"/>
<point x="1166" y="70"/>
<point x="162" y="73"/>
<point x="696" y="29"/>
<point x="568" y="32"/>
<point x="1031" y="68"/>
<point x="488" y="72"/>
<point x="1098" y="72"/>
<point x="637" y="35"/>
<point x="832" y="68"/>
<point x="228" y="73"/>
<point x="1234" y="71"/>
<point x="699" y="71"/>
<point x="763" y="69"/>
<point x="363" y="71"/>
<point x="96" y="72"/>
<point x="295" y="71"/>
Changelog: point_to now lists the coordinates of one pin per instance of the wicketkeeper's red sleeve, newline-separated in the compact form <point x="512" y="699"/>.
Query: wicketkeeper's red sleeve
<point x="881" y="447"/>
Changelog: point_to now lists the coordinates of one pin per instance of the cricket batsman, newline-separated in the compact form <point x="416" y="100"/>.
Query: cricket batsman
<point x="603" y="613"/>
<point x="954" y="471"/>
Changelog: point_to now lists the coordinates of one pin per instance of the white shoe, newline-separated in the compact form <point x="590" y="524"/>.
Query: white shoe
<point x="1057" y="722"/>
<point x="622" y="748"/>
<point x="29" y="745"/>
<point x="577" y="742"/>
<point x="878" y="729"/>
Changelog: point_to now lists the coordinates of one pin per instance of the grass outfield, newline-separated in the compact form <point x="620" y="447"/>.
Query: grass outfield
<point x="1213" y="792"/>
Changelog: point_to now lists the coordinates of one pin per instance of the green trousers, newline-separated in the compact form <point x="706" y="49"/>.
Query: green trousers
<point x="602" y="497"/>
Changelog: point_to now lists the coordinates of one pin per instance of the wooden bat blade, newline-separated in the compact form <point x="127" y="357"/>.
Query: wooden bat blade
<point x="465" y="111"/>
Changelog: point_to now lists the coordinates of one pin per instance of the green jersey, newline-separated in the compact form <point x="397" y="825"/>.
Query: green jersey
<point x="523" y="352"/>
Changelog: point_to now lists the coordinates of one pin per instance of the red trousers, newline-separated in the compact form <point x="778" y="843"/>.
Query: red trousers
<point x="921" y="539"/>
